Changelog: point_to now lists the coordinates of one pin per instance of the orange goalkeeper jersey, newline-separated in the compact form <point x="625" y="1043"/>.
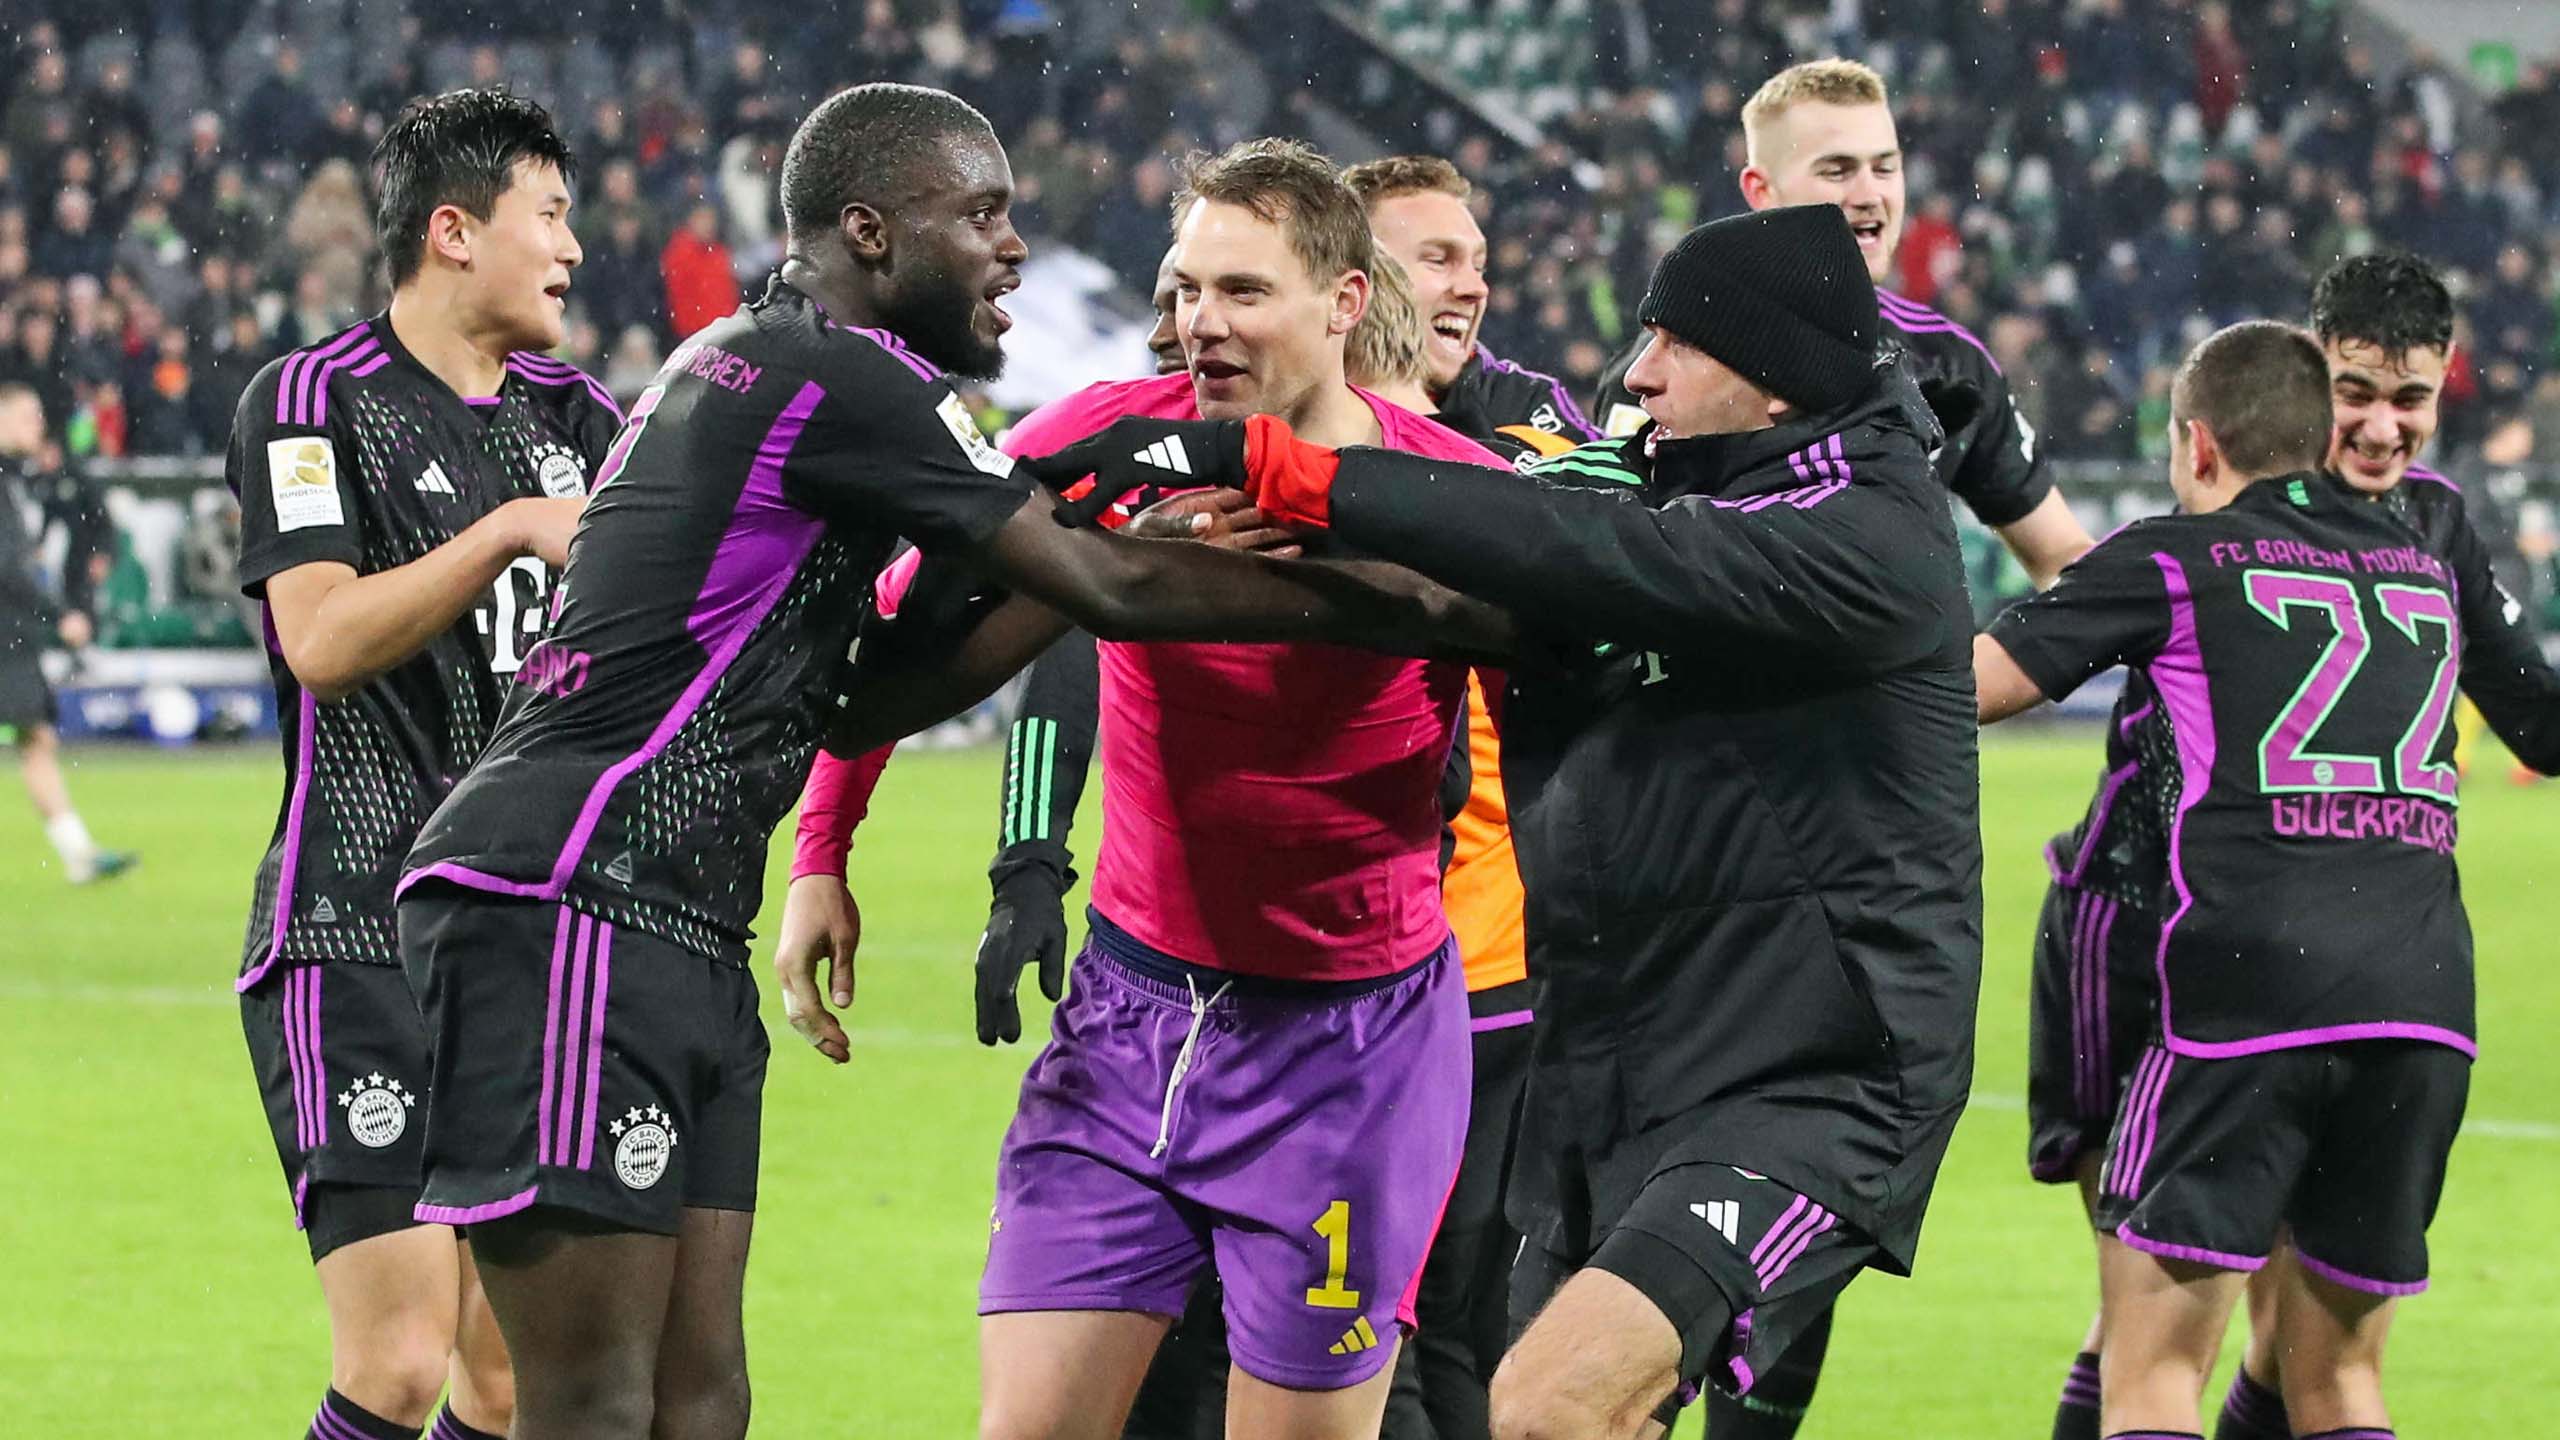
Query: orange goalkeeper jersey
<point x="1482" y="885"/>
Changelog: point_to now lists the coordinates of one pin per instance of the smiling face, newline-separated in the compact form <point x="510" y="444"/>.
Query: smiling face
<point x="516" y="263"/>
<point x="1434" y="236"/>
<point x="2385" y="409"/>
<point x="1690" y="393"/>
<point x="953" y="255"/>
<point x="1817" y="153"/>
<point x="1264" y="336"/>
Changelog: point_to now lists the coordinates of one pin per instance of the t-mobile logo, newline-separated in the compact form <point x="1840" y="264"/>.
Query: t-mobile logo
<point x="1724" y="1216"/>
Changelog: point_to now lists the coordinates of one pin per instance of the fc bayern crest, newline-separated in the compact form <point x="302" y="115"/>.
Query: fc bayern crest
<point x="377" y="1109"/>
<point x="646" y="1143"/>
<point x="563" y="477"/>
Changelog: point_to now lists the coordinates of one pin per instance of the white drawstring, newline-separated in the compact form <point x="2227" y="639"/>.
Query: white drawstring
<point x="1182" y="1060"/>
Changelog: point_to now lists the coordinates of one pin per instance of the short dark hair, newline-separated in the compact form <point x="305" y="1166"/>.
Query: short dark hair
<point x="1288" y="183"/>
<point x="863" y="144"/>
<point x="458" y="148"/>
<point x="1378" y="180"/>
<point x="2393" y="299"/>
<point x="2262" y="388"/>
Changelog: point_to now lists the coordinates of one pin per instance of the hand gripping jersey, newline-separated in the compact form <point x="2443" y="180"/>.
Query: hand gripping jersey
<point x="664" y="726"/>
<point x="1993" y="464"/>
<point x="1311" y="769"/>
<point x="2304" y="645"/>
<point x="351" y="451"/>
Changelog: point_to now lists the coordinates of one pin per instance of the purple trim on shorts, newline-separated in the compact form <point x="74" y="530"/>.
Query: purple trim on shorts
<point x="291" y="865"/>
<point x="301" y="1193"/>
<point x="1913" y="318"/>
<point x="602" y="963"/>
<point x="573" y="1034"/>
<point x="2326" y="1035"/>
<point x="473" y="1215"/>
<point x="551" y="1038"/>
<point x="2142" y="1122"/>
<point x="317" y="1075"/>
<point x="1769" y="1238"/>
<point x="2353" y="1281"/>
<point x="543" y="370"/>
<point x="1787" y="1254"/>
<point x="925" y="369"/>
<point x="2193" y="1253"/>
<point x="776" y="559"/>
<point x="1507" y="1020"/>
<point x="456" y="873"/>
<point x="291" y="405"/>
<point x="2178" y="675"/>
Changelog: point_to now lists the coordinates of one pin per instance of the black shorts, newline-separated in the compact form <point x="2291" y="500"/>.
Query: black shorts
<point x="2344" y="1144"/>
<point x="341" y="1060"/>
<point x="579" y="1064"/>
<point x="26" y="701"/>
<point x="1739" y="1264"/>
<point x="2093" y="1003"/>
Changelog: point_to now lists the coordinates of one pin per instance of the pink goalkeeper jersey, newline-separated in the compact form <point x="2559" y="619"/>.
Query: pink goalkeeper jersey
<point x="1267" y="809"/>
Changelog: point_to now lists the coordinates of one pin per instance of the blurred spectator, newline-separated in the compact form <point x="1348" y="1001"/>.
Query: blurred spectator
<point x="700" y="286"/>
<point x="280" y="120"/>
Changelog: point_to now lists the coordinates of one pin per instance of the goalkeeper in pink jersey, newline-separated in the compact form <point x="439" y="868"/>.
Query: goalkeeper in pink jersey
<point x="1262" y="1064"/>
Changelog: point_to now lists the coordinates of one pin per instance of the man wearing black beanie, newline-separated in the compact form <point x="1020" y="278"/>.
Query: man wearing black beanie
<point x="1739" y="749"/>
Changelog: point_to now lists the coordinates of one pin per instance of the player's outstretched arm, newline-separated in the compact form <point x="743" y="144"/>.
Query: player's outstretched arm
<point x="1123" y="589"/>
<point x="2000" y="688"/>
<point x="2046" y="539"/>
<point x="2502" y="666"/>
<point x="340" y="629"/>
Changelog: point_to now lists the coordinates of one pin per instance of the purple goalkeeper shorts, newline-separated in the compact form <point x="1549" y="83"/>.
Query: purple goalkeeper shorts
<point x="1303" y="1143"/>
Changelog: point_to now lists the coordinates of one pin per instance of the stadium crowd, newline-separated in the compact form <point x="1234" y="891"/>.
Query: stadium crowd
<point x="2151" y="172"/>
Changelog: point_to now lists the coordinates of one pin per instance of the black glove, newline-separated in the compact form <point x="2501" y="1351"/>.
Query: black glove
<point x="1135" y="453"/>
<point x="1956" y="403"/>
<point x="1027" y="922"/>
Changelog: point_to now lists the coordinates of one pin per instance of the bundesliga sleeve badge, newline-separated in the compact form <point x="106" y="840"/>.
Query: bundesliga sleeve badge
<point x="302" y="472"/>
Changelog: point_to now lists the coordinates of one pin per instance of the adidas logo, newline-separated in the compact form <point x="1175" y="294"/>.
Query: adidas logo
<point x="1356" y="1339"/>
<point x="618" y="869"/>
<point x="433" y="482"/>
<point x="324" y="913"/>
<point x="1722" y="1216"/>
<point x="1165" y="454"/>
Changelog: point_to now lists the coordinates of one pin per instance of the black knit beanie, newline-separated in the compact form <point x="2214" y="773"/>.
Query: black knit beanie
<point x="1781" y="296"/>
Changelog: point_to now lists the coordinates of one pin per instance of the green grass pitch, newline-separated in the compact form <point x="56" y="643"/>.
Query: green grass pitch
<point x="154" y="1284"/>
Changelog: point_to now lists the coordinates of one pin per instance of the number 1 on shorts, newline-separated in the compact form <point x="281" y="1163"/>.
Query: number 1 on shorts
<point x="1335" y="1226"/>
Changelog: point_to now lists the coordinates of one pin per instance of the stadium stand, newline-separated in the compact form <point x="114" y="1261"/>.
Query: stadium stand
<point x="2095" y="184"/>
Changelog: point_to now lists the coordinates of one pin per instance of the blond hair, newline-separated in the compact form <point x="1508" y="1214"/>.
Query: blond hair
<point x="1378" y="180"/>
<point x="1824" y="82"/>
<point x="1385" y="350"/>
<point x="1291" y="184"/>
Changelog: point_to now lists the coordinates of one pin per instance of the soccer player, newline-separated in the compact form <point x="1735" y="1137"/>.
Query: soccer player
<point x="1147" y="1146"/>
<point x="2303" y="643"/>
<point x="1822" y="132"/>
<point x="1736" y="742"/>
<point x="575" y="916"/>
<point x="2385" y="325"/>
<point x="1165" y="341"/>
<point x="1417" y="207"/>
<point x="31" y="621"/>
<point x="407" y="490"/>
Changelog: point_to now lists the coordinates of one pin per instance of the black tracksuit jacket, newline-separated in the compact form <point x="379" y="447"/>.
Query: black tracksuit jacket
<point x="1740" y="759"/>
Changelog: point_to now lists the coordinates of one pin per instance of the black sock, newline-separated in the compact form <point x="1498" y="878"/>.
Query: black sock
<point x="2075" y="1417"/>
<point x="449" y="1428"/>
<point x="1778" y="1400"/>
<point x="2251" y="1412"/>
<point x="343" y="1419"/>
<point x="2155" y="1435"/>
